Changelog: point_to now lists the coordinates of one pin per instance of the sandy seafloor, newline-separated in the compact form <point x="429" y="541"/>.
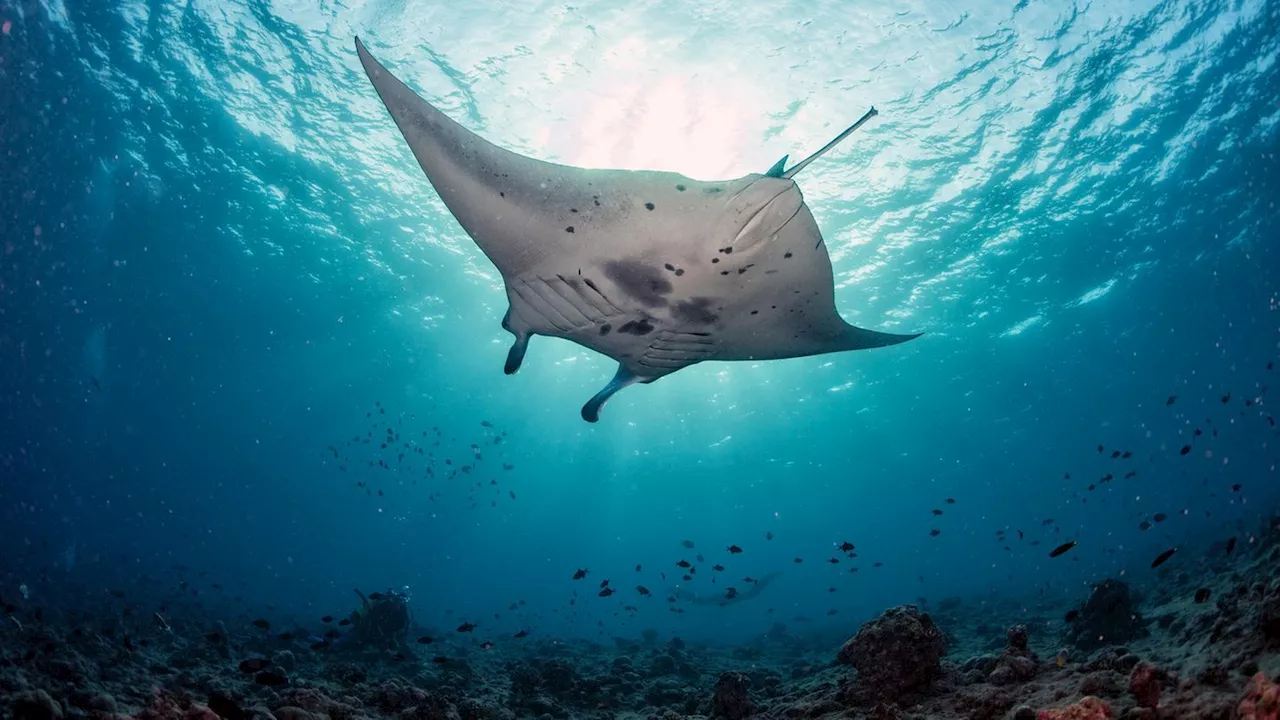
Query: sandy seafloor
<point x="1159" y="650"/>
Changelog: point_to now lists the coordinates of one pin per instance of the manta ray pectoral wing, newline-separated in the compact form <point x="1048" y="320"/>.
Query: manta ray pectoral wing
<point x="857" y="338"/>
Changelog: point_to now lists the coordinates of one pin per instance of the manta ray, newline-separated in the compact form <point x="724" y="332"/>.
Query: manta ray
<point x="653" y="269"/>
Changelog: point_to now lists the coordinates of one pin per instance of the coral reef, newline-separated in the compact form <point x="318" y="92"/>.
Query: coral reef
<point x="1209" y="661"/>
<point x="899" y="651"/>
<point x="1108" y="617"/>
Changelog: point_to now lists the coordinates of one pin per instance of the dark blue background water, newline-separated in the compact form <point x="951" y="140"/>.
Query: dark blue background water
<point x="217" y="257"/>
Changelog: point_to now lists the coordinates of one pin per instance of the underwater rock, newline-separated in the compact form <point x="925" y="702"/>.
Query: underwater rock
<point x="1261" y="700"/>
<point x="731" y="699"/>
<point x="285" y="659"/>
<point x="1089" y="708"/>
<point x="1017" y="663"/>
<point x="1107" y="617"/>
<point x="899" y="651"/>
<point x="35" y="705"/>
<point x="1144" y="685"/>
<point x="1269" y="612"/>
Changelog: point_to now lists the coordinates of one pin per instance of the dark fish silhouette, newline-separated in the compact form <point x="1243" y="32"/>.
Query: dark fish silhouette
<point x="1162" y="557"/>
<point x="1062" y="548"/>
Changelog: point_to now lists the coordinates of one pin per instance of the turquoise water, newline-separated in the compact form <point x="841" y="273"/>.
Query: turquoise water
<point x="218" y="256"/>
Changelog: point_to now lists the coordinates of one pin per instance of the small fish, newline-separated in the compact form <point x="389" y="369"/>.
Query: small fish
<point x="326" y="619"/>
<point x="1172" y="399"/>
<point x="1162" y="557"/>
<point x="638" y="567"/>
<point x="466" y="627"/>
<point x="718" y="568"/>
<point x="604" y="583"/>
<point x="1231" y="544"/>
<point x="768" y="536"/>
<point x="1126" y="455"/>
<point x="1159" y="517"/>
<point x="606" y="592"/>
<point x="731" y="593"/>
<point x="834" y="561"/>
<point x="263" y="624"/>
<point x="1061" y="660"/>
<point x="643" y="590"/>
<point x="1236" y="487"/>
<point x="426" y="640"/>
<point x="253" y="665"/>
<point x="1226" y="398"/>
<point x="486" y="424"/>
<point x="688" y="544"/>
<point x="1185" y="449"/>
<point x="285" y="636"/>
<point x="733" y="549"/>
<point x="950" y="501"/>
<point x="1202" y="595"/>
<point x="846" y="546"/>
<point x="797" y="560"/>
<point x="1020" y="536"/>
<point x="580" y="574"/>
<point x="683" y="564"/>
<point x="935" y="532"/>
<point x="344" y="622"/>
<point x="266" y="677"/>
<point x="1144" y="525"/>
<point x="936" y="512"/>
<point x="521" y="634"/>
<point x="333" y="635"/>
<point x="749" y="580"/>
<point x="1115" y="454"/>
<point x="1062" y="548"/>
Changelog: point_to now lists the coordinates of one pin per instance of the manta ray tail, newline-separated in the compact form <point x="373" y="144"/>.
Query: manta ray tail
<point x="848" y="131"/>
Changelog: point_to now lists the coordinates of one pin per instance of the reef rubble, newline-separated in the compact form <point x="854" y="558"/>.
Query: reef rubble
<point x="1165" y="652"/>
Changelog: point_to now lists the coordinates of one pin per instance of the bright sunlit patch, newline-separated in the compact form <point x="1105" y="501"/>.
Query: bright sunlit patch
<point x="634" y="120"/>
<point x="1093" y="294"/>
<point x="1023" y="326"/>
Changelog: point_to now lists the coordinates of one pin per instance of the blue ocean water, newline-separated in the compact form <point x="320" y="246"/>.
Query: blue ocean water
<point x="222" y="271"/>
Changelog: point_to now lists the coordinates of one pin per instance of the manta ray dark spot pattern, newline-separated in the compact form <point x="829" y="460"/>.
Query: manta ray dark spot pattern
<point x="787" y="256"/>
<point x="726" y="250"/>
<point x="569" y="229"/>
<point x="573" y="210"/>
<point x="648" y="206"/>
<point x="604" y="329"/>
<point x="681" y="188"/>
<point x="642" y="282"/>
<point x="695" y="310"/>
<point x="636" y="327"/>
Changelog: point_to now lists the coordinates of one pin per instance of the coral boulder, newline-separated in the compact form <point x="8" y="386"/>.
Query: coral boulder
<point x="897" y="652"/>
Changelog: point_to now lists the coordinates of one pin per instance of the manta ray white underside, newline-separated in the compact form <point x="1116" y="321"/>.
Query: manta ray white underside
<point x="654" y="269"/>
